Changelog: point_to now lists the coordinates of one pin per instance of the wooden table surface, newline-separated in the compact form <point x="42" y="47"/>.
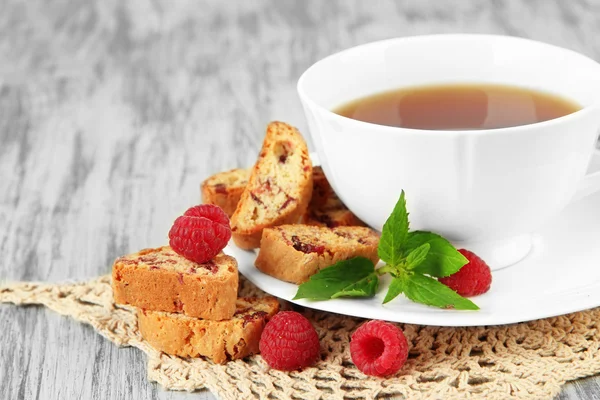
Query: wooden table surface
<point x="112" y="112"/>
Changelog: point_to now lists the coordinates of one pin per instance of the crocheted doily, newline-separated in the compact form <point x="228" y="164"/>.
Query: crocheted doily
<point x="528" y="360"/>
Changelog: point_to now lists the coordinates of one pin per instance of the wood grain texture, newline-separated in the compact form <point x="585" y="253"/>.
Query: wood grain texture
<point x="112" y="112"/>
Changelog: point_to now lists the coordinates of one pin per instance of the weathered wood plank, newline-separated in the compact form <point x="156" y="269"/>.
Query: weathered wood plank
<point x="112" y="112"/>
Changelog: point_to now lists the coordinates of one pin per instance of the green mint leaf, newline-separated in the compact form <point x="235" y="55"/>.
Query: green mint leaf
<point x="417" y="256"/>
<point x="331" y="280"/>
<point x="394" y="233"/>
<point x="442" y="259"/>
<point x="366" y="287"/>
<point x="423" y="289"/>
<point x="396" y="288"/>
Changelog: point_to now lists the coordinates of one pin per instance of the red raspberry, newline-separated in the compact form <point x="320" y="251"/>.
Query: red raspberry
<point x="472" y="279"/>
<point x="289" y="342"/>
<point x="200" y="233"/>
<point x="378" y="348"/>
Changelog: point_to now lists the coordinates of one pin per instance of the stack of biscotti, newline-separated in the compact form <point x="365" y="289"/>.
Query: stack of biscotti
<point x="230" y="339"/>
<point x="289" y="210"/>
<point x="325" y="208"/>
<point x="191" y="309"/>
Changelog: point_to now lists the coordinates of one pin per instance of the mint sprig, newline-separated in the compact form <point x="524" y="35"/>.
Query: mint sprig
<point x="414" y="259"/>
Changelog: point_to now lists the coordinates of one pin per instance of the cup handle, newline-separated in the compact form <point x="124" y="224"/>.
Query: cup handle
<point x="591" y="182"/>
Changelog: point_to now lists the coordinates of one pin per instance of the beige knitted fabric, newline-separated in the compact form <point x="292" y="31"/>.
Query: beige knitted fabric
<point x="528" y="360"/>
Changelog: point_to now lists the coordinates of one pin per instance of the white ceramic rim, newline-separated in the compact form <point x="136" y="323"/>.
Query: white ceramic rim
<point x="593" y="107"/>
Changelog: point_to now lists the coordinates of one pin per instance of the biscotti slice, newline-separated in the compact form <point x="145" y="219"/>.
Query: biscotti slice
<point x="225" y="189"/>
<point x="220" y="341"/>
<point x="325" y="207"/>
<point x="279" y="187"/>
<point x="332" y="216"/>
<point x="322" y="190"/>
<point x="162" y="280"/>
<point x="293" y="253"/>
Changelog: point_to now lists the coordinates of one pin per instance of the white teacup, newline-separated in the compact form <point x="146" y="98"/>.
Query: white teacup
<point x="485" y="190"/>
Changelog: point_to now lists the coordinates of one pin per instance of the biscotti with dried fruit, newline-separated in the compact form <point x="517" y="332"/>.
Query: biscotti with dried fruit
<point x="332" y="215"/>
<point x="224" y="189"/>
<point x="326" y="208"/>
<point x="220" y="341"/>
<point x="293" y="253"/>
<point x="161" y="280"/>
<point x="279" y="188"/>
<point x="322" y="190"/>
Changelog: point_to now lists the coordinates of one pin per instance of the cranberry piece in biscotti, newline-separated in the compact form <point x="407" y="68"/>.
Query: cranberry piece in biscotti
<point x="306" y="247"/>
<point x="279" y="187"/>
<point x="293" y="253"/>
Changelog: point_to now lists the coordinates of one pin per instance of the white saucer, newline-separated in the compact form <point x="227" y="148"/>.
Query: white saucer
<point x="560" y="275"/>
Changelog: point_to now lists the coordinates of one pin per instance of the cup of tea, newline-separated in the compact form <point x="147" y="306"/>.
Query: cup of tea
<point x="489" y="136"/>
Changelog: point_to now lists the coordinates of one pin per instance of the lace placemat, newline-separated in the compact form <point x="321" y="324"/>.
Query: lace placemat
<point x="528" y="360"/>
